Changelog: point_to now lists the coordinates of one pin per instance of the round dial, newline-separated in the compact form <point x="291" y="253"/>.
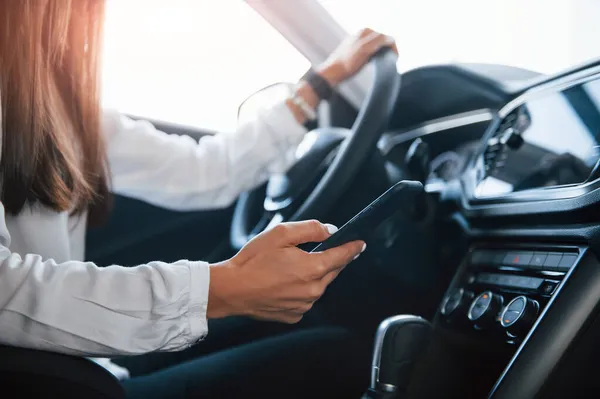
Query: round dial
<point x="519" y="315"/>
<point x="484" y="309"/>
<point x="456" y="301"/>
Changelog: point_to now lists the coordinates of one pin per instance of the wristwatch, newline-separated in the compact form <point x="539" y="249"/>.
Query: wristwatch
<point x="318" y="83"/>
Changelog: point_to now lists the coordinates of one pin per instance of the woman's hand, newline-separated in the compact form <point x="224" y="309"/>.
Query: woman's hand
<point x="352" y="54"/>
<point x="270" y="278"/>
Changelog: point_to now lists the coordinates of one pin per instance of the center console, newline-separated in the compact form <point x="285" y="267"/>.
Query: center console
<point x="525" y="295"/>
<point x="490" y="312"/>
<point x="518" y="312"/>
<point x="500" y="292"/>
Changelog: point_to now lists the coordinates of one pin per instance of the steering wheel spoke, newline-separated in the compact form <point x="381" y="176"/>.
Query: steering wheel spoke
<point x="275" y="220"/>
<point x="267" y="221"/>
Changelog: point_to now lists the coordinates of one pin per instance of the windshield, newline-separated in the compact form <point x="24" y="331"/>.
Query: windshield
<point x="541" y="35"/>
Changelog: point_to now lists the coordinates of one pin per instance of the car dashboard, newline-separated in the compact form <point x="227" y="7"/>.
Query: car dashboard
<point x="519" y="316"/>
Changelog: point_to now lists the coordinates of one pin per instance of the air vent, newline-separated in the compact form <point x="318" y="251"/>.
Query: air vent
<point x="508" y="122"/>
<point x="506" y="137"/>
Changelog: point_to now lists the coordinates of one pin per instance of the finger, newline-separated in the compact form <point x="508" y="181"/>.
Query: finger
<point x="373" y="43"/>
<point x="296" y="233"/>
<point x="368" y="38"/>
<point x="336" y="258"/>
<point x="301" y="307"/>
<point x="283" y="317"/>
<point x="298" y="305"/>
<point x="291" y="318"/>
<point x="365" y="32"/>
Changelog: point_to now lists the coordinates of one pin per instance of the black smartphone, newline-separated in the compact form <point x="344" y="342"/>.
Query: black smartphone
<point x="405" y="197"/>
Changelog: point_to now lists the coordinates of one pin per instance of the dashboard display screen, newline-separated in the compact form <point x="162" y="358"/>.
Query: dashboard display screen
<point x="550" y="140"/>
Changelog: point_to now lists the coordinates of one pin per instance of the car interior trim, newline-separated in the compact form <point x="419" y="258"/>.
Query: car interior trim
<point x="559" y="84"/>
<point x="554" y="331"/>
<point x="537" y="194"/>
<point x="434" y="126"/>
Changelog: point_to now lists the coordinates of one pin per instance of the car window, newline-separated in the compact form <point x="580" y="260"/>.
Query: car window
<point x="540" y="35"/>
<point x="191" y="62"/>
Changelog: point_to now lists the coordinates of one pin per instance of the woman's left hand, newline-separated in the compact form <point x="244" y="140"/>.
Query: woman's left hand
<point x="352" y="54"/>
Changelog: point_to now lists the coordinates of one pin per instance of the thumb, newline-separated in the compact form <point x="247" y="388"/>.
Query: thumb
<point x="296" y="233"/>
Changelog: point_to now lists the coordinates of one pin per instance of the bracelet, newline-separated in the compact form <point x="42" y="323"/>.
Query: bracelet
<point x="306" y="109"/>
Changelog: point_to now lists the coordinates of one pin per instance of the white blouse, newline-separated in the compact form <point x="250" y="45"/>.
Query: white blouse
<point x="51" y="299"/>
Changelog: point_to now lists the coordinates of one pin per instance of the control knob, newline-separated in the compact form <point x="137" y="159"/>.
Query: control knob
<point x="519" y="315"/>
<point x="484" y="309"/>
<point x="456" y="303"/>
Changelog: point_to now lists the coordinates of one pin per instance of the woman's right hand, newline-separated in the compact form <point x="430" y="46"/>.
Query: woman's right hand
<point x="272" y="279"/>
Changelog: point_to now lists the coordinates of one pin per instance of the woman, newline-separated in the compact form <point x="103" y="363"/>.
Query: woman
<point x="60" y="159"/>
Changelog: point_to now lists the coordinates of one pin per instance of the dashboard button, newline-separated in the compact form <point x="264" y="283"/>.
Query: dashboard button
<point x="531" y="283"/>
<point x="552" y="261"/>
<point x="512" y="281"/>
<point x="518" y="258"/>
<point x="477" y="257"/>
<point x="494" y="279"/>
<point x="509" y="280"/>
<point x="510" y="258"/>
<point x="483" y="278"/>
<point x="538" y="259"/>
<point x="498" y="257"/>
<point x="548" y="287"/>
<point x="566" y="262"/>
<point x="487" y="258"/>
<point x="525" y="258"/>
<point x="528" y="283"/>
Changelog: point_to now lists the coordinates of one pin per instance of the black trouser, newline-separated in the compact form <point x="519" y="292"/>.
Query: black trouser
<point x="243" y="358"/>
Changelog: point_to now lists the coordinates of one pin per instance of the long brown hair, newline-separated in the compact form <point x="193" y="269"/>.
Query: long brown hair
<point x="52" y="149"/>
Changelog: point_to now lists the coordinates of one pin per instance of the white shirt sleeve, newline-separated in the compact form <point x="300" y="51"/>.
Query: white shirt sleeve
<point x="181" y="173"/>
<point x="79" y="308"/>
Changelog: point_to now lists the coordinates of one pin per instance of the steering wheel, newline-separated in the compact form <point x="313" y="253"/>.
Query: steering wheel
<point x="328" y="159"/>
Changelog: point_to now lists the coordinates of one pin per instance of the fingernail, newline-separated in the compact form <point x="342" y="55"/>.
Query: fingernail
<point x="363" y="248"/>
<point x="331" y="228"/>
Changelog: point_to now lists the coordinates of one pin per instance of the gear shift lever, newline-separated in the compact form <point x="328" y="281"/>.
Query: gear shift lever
<point x="399" y="343"/>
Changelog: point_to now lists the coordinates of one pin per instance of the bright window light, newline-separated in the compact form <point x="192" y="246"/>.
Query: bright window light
<point x="191" y="62"/>
<point x="541" y="35"/>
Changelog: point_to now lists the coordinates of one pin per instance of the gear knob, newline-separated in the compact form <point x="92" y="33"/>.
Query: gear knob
<point x="399" y="343"/>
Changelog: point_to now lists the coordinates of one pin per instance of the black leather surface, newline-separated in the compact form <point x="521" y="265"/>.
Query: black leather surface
<point x="26" y="373"/>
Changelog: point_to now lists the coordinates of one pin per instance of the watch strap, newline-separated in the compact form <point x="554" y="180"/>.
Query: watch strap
<point x="319" y="84"/>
